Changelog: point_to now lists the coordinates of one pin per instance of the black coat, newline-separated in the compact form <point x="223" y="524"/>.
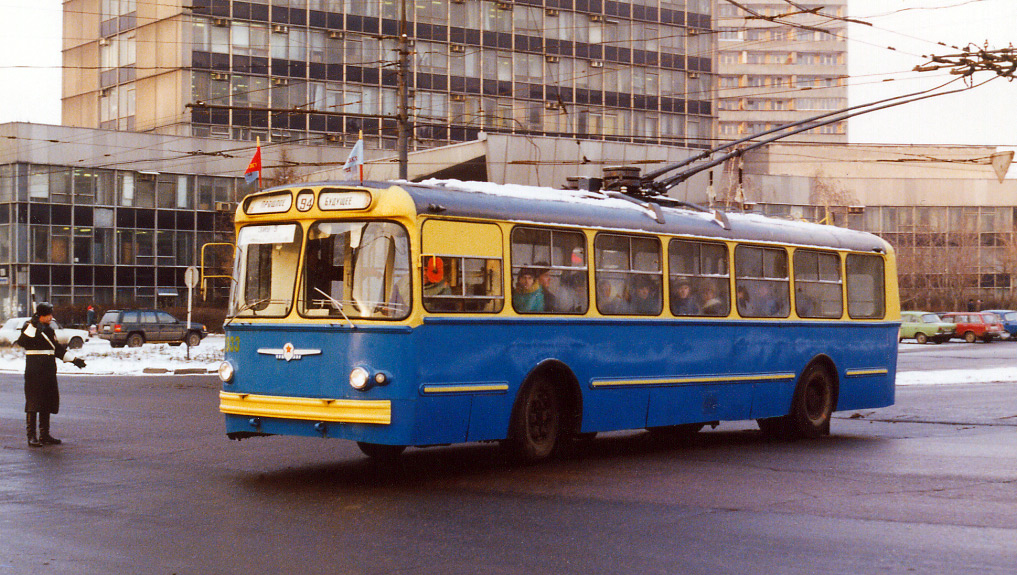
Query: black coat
<point x="41" y="393"/>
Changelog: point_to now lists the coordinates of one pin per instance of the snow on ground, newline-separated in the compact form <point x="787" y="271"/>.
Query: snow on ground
<point x="952" y="376"/>
<point x="162" y="358"/>
<point x="101" y="359"/>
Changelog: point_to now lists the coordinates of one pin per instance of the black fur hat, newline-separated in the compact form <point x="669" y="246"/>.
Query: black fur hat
<point x="43" y="308"/>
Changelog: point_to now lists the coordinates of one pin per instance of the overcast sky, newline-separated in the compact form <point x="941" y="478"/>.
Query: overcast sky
<point x="30" y="60"/>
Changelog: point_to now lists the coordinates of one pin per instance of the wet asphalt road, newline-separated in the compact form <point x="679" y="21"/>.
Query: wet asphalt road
<point x="147" y="483"/>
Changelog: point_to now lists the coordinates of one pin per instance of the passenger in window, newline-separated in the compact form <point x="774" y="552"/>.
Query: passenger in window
<point x="712" y="305"/>
<point x="609" y="299"/>
<point x="527" y="296"/>
<point x="551" y="295"/>
<point x="804" y="304"/>
<point x="766" y="303"/>
<point x="572" y="294"/>
<point x="560" y="296"/>
<point x="682" y="300"/>
<point x="744" y="301"/>
<point x="645" y="300"/>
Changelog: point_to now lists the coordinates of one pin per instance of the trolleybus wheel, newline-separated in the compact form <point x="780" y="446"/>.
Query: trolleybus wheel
<point x="921" y="337"/>
<point x="814" y="401"/>
<point x="380" y="451"/>
<point x="536" y="422"/>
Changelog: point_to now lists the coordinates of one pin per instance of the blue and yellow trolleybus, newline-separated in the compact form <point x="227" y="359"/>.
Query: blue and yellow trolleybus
<point x="397" y="314"/>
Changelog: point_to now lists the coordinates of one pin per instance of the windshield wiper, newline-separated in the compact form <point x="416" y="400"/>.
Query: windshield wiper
<point x="247" y="306"/>
<point x="337" y="305"/>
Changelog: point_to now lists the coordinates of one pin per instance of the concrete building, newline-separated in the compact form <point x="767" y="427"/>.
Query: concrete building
<point x="324" y="70"/>
<point x="777" y="65"/>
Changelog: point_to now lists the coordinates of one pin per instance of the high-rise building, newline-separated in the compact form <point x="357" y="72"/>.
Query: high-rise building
<point x="324" y="70"/>
<point x="781" y="62"/>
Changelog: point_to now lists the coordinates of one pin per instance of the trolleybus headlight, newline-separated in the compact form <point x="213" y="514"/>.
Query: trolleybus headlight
<point x="226" y="372"/>
<point x="359" y="378"/>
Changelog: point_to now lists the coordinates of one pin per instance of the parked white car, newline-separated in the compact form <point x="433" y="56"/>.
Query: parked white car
<point x="72" y="338"/>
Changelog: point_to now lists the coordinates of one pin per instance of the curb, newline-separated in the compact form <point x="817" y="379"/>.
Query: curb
<point x="182" y="371"/>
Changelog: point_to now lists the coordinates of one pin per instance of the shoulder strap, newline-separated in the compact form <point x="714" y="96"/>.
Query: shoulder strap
<point x="48" y="340"/>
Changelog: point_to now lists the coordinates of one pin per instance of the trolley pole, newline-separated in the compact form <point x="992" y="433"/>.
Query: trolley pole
<point x="404" y="95"/>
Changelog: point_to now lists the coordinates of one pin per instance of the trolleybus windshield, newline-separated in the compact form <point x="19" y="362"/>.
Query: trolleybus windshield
<point x="266" y="268"/>
<point x="356" y="269"/>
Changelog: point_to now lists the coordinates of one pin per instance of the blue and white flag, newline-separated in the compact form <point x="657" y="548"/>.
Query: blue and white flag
<point x="355" y="163"/>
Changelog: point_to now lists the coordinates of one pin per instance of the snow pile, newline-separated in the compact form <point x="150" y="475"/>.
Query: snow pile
<point x="102" y="359"/>
<point x="952" y="376"/>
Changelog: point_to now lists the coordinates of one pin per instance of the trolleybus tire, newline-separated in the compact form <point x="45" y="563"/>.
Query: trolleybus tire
<point x="380" y="451"/>
<point x="536" y="428"/>
<point x="814" y="402"/>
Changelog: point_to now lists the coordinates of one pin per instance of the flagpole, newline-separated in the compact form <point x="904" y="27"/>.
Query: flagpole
<point x="260" y="169"/>
<point x="360" y="137"/>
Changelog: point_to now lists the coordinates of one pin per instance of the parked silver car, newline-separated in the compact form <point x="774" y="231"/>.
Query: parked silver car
<point x="72" y="338"/>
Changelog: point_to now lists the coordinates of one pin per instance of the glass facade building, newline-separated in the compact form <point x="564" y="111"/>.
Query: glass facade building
<point x="78" y="236"/>
<point x="324" y="70"/>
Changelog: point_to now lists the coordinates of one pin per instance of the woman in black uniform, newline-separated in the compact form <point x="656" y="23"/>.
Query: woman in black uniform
<point x="42" y="397"/>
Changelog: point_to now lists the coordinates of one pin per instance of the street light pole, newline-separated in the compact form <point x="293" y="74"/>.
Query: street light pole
<point x="404" y="98"/>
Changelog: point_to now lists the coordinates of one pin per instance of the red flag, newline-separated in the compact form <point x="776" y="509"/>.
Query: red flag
<point x="254" y="168"/>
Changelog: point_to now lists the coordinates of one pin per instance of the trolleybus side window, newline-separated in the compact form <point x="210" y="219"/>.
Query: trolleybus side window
<point x="628" y="274"/>
<point x="266" y="268"/>
<point x="818" y="286"/>
<point x="356" y="269"/>
<point x="461" y="267"/>
<point x="866" y="293"/>
<point x="699" y="278"/>
<point x="556" y="261"/>
<point x="761" y="281"/>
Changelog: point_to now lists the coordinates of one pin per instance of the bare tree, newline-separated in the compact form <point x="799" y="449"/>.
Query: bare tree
<point x="833" y="198"/>
<point x="285" y="172"/>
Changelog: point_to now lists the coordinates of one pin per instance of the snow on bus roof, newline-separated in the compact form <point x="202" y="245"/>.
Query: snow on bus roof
<point x="533" y="193"/>
<point x="586" y="197"/>
<point x="603" y="200"/>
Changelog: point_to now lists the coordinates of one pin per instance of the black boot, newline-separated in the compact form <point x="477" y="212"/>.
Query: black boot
<point x="33" y="441"/>
<point x="44" y="437"/>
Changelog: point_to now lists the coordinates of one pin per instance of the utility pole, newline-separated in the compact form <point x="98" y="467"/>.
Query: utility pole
<point x="404" y="94"/>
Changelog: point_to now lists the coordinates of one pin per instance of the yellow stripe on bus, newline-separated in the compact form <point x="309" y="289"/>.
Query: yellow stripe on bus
<point x="861" y="372"/>
<point x="438" y="388"/>
<point x="692" y="380"/>
<point x="312" y="409"/>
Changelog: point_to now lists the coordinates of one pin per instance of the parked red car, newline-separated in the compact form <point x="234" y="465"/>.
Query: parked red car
<point x="975" y="325"/>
